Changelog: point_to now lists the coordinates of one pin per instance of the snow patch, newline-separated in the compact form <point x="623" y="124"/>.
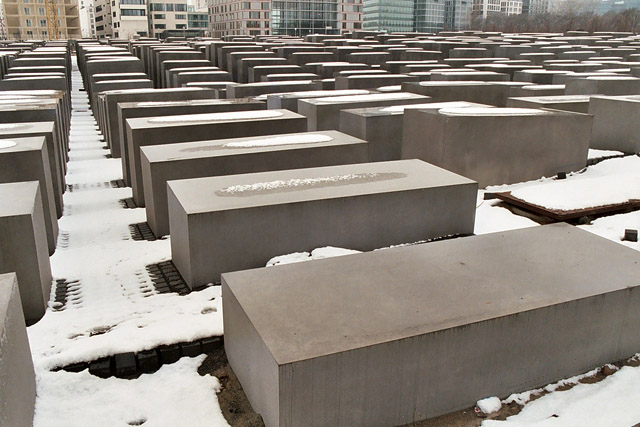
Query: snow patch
<point x="318" y="253"/>
<point x="433" y="105"/>
<point x="370" y="97"/>
<point x="395" y="88"/>
<point x="489" y="405"/>
<point x="236" y="115"/>
<point x="603" y="154"/>
<point x="280" y="140"/>
<point x="492" y="111"/>
<point x="6" y="143"/>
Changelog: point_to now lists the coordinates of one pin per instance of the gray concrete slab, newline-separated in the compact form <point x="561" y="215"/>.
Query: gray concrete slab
<point x="18" y="392"/>
<point x="163" y="163"/>
<point x="536" y="90"/>
<point x="392" y="337"/>
<point x="324" y="113"/>
<point x="257" y="71"/>
<point x="201" y="127"/>
<point x="26" y="159"/>
<point x="23" y="244"/>
<point x="506" y="145"/>
<point x="246" y="63"/>
<point x="381" y="126"/>
<point x="372" y="81"/>
<point x="574" y="103"/>
<point x="47" y="130"/>
<point x="230" y="223"/>
<point x="492" y="93"/>
<point x="289" y="101"/>
<point x="261" y="88"/>
<point x="615" y="123"/>
<point x="606" y="85"/>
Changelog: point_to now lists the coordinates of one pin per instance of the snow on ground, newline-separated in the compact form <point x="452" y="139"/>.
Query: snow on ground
<point x="614" y="401"/>
<point x="115" y="307"/>
<point x="492" y="218"/>
<point x="612" y="227"/>
<point x="175" y="395"/>
<point x="318" y="253"/>
<point x="610" y="181"/>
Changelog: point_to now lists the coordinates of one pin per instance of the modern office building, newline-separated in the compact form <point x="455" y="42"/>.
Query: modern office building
<point x="166" y="16"/>
<point x="511" y="7"/>
<point x="485" y="8"/>
<point x="534" y="7"/>
<point x="284" y="17"/>
<point x="616" y="6"/>
<point x="394" y="16"/>
<point x="457" y="15"/>
<point x="32" y="19"/>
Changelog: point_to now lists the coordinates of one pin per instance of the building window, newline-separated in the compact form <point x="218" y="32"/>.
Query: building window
<point x="27" y="11"/>
<point x="100" y="28"/>
<point x="132" y="12"/>
<point x="159" y="26"/>
<point x="181" y="7"/>
<point x="98" y="8"/>
<point x="132" y="2"/>
<point x="157" y="7"/>
<point x="114" y="14"/>
<point x="159" y="16"/>
<point x="169" y="7"/>
<point x="41" y="11"/>
<point x="180" y="16"/>
<point x="29" y="33"/>
<point x="181" y="26"/>
<point x="115" y="34"/>
<point x="43" y="22"/>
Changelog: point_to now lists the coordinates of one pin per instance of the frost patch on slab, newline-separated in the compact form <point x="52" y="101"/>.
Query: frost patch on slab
<point x="370" y="97"/>
<point x="174" y="395"/>
<point x="305" y="183"/>
<point x="280" y="140"/>
<point x="318" y="253"/>
<point x="433" y="105"/>
<point x="13" y="126"/>
<point x="492" y="111"/>
<point x="236" y="115"/>
<point x="489" y="405"/>
<point x="318" y="93"/>
<point x="610" y="402"/>
<point x="395" y="88"/>
<point x="6" y="143"/>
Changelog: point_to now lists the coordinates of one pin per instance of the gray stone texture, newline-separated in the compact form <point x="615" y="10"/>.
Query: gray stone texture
<point x="23" y="245"/>
<point x="616" y="124"/>
<point x="396" y="336"/>
<point x="236" y="222"/>
<point x="17" y="377"/>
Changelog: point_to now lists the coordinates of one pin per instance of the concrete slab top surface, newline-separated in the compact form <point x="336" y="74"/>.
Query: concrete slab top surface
<point x="205" y="118"/>
<point x="343" y="303"/>
<point x="247" y="145"/>
<point x="26" y="127"/>
<point x="156" y="104"/>
<point x="213" y="194"/>
<point x="18" y="198"/>
<point x="399" y="109"/>
<point x="555" y="99"/>
<point x="622" y="98"/>
<point x="373" y="97"/>
<point x="15" y="145"/>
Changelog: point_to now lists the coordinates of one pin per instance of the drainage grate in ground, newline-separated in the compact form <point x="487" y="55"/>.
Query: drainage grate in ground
<point x="128" y="203"/>
<point x="141" y="231"/>
<point x="132" y="365"/>
<point x="166" y="278"/>
<point x="66" y="292"/>
<point x="96" y="186"/>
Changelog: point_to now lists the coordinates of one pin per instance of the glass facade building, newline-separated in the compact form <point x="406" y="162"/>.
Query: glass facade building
<point x="389" y="15"/>
<point x="304" y="17"/>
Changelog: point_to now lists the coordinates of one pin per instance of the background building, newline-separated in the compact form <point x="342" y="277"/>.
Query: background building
<point x="35" y="19"/>
<point x="87" y="19"/>
<point x="121" y="19"/>
<point x="425" y="16"/>
<point x="389" y="15"/>
<point x="535" y="7"/>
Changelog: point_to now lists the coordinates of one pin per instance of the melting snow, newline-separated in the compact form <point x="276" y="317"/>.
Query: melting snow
<point x="6" y="143"/>
<point x="236" y="115"/>
<point x="280" y="140"/>
<point x="370" y="97"/>
<point x="492" y="111"/>
<point x="319" y="253"/>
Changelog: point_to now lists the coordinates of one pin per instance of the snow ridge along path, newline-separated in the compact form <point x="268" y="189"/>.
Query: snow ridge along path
<point x="113" y="307"/>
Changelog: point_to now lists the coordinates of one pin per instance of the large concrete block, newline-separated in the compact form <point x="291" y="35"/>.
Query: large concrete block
<point x="616" y="123"/>
<point x="261" y="88"/>
<point x="245" y="64"/>
<point x="257" y="71"/>
<point x="575" y="103"/>
<point x="492" y="93"/>
<point x="163" y="163"/>
<point x="54" y="152"/>
<point x="391" y="337"/>
<point x="324" y="113"/>
<point x="381" y="126"/>
<point x="289" y="101"/>
<point x="23" y="245"/>
<point x="26" y="159"/>
<point x="498" y="146"/>
<point x="372" y="81"/>
<point x="201" y="127"/>
<point x="236" y="222"/>
<point x="536" y="90"/>
<point x="18" y="391"/>
<point x="607" y="85"/>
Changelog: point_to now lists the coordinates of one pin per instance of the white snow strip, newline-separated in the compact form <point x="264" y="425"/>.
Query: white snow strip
<point x="280" y="140"/>
<point x="236" y="115"/>
<point x="491" y="218"/>
<point x="433" y="105"/>
<point x="492" y="111"/>
<point x="613" y="227"/>
<point x="370" y="97"/>
<point x="13" y="126"/>
<point x="298" y="183"/>
<point x="174" y="395"/>
<point x="319" y="93"/>
<point x="602" y="154"/>
<point x="6" y="143"/>
<point x="394" y="88"/>
<point x="610" y="402"/>
<point x="318" y="253"/>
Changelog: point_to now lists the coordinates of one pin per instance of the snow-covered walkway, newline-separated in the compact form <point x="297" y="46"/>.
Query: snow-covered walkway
<point x="112" y="306"/>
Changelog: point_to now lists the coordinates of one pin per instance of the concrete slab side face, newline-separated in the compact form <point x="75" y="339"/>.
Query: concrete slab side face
<point x="499" y="148"/>
<point x="18" y="391"/>
<point x="163" y="163"/>
<point x="23" y="243"/>
<point x="549" y="313"/>
<point x="615" y="123"/>
<point x="236" y="222"/>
